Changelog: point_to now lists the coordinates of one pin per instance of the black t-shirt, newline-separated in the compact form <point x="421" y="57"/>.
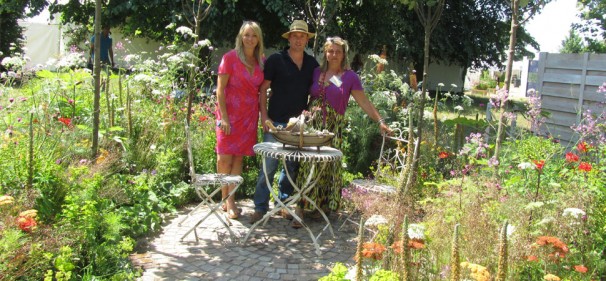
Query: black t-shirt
<point x="289" y="85"/>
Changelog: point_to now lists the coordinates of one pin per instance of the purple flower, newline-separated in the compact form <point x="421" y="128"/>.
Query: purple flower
<point x="83" y="161"/>
<point x="499" y="99"/>
<point x="70" y="101"/>
<point x="18" y="119"/>
<point x="11" y="100"/>
<point x="154" y="172"/>
<point x="58" y="161"/>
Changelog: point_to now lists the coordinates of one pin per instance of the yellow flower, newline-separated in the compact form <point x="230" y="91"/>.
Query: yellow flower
<point x="551" y="277"/>
<point x="5" y="200"/>
<point x="29" y="213"/>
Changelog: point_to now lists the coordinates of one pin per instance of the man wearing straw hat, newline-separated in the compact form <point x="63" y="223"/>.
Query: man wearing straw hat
<point x="288" y="73"/>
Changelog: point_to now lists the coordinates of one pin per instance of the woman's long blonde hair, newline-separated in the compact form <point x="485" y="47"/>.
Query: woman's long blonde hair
<point x="259" y="49"/>
<point x="338" y="41"/>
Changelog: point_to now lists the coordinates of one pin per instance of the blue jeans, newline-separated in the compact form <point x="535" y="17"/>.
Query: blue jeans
<point x="285" y="188"/>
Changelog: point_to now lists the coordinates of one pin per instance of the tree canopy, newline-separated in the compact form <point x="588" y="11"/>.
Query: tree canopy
<point x="11" y="11"/>
<point x="592" y="29"/>
<point x="471" y="33"/>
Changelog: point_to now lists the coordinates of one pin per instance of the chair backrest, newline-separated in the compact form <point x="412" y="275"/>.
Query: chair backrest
<point x="190" y="155"/>
<point x="392" y="155"/>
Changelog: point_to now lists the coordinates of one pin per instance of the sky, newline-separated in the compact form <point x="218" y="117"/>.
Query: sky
<point x="551" y="26"/>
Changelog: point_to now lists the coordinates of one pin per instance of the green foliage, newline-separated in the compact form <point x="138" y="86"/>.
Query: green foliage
<point x="386" y="91"/>
<point x="337" y="273"/>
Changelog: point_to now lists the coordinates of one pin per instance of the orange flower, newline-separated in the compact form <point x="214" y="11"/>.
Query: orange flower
<point x="539" y="164"/>
<point x="532" y="258"/>
<point x="373" y="250"/>
<point x="412" y="244"/>
<point x="443" y="155"/>
<point x="416" y="244"/>
<point x="580" y="268"/>
<point x="571" y="157"/>
<point x="203" y="118"/>
<point x="559" y="247"/>
<point x="26" y="224"/>
<point x="584" y="166"/>
<point x="582" y="147"/>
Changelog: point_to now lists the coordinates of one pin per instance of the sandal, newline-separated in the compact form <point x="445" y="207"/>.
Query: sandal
<point x="233" y="215"/>
<point x="224" y="208"/>
<point x="296" y="224"/>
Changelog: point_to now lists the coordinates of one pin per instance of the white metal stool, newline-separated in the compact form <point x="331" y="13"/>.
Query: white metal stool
<point x="200" y="182"/>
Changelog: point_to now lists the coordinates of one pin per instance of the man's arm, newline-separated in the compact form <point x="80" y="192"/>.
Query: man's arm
<point x="263" y="103"/>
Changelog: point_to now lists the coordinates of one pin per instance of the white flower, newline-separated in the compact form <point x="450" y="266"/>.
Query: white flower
<point x="510" y="230"/>
<point x="416" y="231"/>
<point x="204" y="43"/>
<point x="377" y="59"/>
<point x="376" y="220"/>
<point x="184" y="30"/>
<point x="440" y="84"/>
<point x="534" y="205"/>
<point x="547" y="220"/>
<point x="458" y="108"/>
<point x="525" y="165"/>
<point x="152" y="147"/>
<point x="453" y="85"/>
<point x="573" y="212"/>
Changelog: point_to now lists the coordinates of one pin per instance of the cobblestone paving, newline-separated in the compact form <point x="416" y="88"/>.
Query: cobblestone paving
<point x="274" y="251"/>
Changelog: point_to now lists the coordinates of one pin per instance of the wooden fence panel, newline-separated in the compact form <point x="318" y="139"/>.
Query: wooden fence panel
<point x="568" y="86"/>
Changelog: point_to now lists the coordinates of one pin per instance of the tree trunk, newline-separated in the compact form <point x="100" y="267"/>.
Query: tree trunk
<point x="412" y="172"/>
<point x="512" y="42"/>
<point x="97" y="75"/>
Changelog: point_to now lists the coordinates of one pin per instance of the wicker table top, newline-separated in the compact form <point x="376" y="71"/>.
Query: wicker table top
<point x="306" y="154"/>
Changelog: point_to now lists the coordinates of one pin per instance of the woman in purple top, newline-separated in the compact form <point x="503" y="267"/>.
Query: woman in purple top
<point x="240" y="75"/>
<point x="334" y="82"/>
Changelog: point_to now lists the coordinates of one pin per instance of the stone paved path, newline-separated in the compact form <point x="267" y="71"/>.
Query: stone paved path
<point x="275" y="251"/>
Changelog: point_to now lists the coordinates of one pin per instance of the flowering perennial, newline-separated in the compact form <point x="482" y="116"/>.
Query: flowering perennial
<point x="559" y="248"/>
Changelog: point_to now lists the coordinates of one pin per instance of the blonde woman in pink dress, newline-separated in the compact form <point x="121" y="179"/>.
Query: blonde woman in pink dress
<point x="240" y="75"/>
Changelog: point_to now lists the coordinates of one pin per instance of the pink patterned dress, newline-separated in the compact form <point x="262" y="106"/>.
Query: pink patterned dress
<point x="242" y="101"/>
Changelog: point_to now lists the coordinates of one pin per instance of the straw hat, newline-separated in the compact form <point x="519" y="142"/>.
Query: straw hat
<point x="298" y="26"/>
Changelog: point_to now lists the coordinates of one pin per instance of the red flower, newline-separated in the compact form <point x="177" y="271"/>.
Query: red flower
<point x="539" y="164"/>
<point x="580" y="268"/>
<point x="26" y="223"/>
<point x="582" y="147"/>
<point x="66" y="121"/>
<point x="443" y="155"/>
<point x="571" y="157"/>
<point x="203" y="118"/>
<point x="584" y="166"/>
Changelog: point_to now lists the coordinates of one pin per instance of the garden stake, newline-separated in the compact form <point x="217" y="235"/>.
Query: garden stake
<point x="405" y="255"/>
<point x="30" y="174"/>
<point x="435" y="120"/>
<point x="359" y="250"/>
<point x="536" y="194"/>
<point x="120" y="86"/>
<point x="128" y="113"/>
<point x="455" y="260"/>
<point x="502" y="268"/>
